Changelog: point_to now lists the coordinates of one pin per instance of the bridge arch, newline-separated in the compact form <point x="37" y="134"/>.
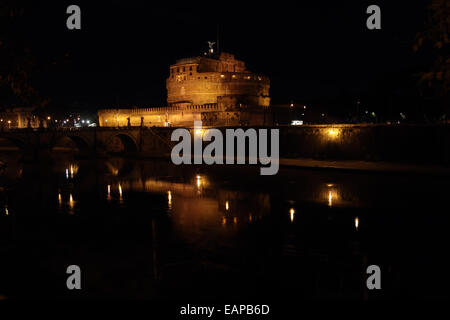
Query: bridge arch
<point x="122" y="143"/>
<point x="68" y="142"/>
<point x="8" y="141"/>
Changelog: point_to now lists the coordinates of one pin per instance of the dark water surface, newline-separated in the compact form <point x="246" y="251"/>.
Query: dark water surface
<point x="149" y="229"/>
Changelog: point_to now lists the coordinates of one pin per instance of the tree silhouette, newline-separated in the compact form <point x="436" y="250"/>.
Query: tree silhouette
<point x="17" y="62"/>
<point x="434" y="82"/>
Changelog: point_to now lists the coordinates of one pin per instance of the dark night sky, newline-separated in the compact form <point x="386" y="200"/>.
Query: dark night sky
<point x="311" y="50"/>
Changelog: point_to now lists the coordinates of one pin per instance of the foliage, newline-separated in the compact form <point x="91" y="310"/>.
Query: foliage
<point x="17" y="63"/>
<point x="436" y="38"/>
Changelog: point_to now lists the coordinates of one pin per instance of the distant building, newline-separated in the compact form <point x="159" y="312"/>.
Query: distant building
<point x="18" y="118"/>
<point x="215" y="88"/>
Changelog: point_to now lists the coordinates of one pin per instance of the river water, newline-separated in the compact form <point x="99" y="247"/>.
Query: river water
<point x="150" y="229"/>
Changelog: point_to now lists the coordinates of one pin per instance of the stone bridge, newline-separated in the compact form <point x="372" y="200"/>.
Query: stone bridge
<point x="90" y="141"/>
<point x="379" y="142"/>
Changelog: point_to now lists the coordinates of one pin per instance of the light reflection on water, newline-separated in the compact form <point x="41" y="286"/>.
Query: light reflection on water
<point x="205" y="196"/>
<point x="193" y="204"/>
<point x="120" y="192"/>
<point x="307" y="216"/>
<point x="169" y="199"/>
<point x="71" y="204"/>
<point x="202" y="194"/>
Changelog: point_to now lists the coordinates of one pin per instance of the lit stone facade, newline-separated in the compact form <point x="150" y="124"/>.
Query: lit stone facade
<point x="216" y="89"/>
<point x="19" y="118"/>
<point x="203" y="80"/>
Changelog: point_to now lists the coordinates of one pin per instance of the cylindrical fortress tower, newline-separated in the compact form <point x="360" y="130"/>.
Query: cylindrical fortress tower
<point x="204" y="79"/>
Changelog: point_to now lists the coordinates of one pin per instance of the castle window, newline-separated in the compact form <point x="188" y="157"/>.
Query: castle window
<point x="222" y="76"/>
<point x="190" y="73"/>
<point x="184" y="69"/>
<point x="206" y="77"/>
<point x="178" y="69"/>
<point x="190" y="68"/>
<point x="233" y="76"/>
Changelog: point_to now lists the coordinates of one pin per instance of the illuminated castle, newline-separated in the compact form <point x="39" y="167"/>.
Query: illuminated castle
<point x="210" y="79"/>
<point x="214" y="88"/>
